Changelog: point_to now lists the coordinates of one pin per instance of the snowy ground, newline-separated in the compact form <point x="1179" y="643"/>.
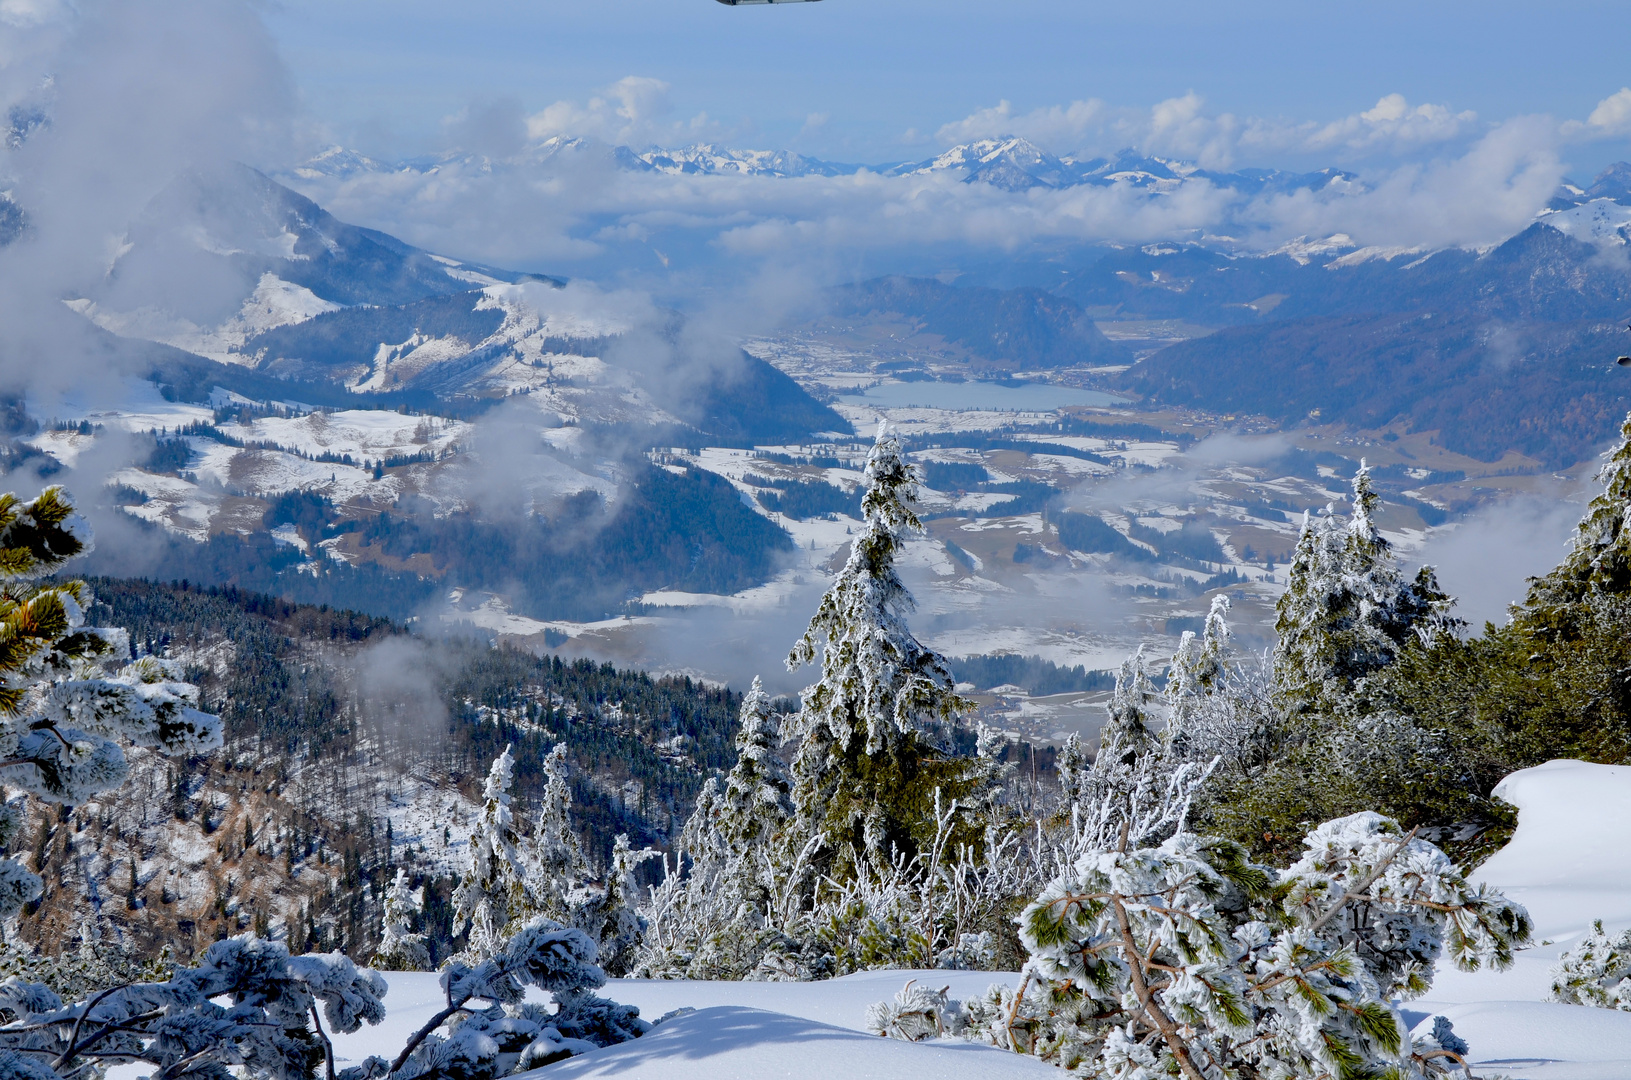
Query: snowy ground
<point x="1568" y="865"/>
<point x="1567" y="862"/>
<point x="743" y="1030"/>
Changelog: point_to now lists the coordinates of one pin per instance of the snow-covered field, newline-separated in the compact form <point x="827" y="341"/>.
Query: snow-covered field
<point x="1568" y="862"/>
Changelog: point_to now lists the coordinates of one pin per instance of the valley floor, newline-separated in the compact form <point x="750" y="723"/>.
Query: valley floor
<point x="1566" y="862"/>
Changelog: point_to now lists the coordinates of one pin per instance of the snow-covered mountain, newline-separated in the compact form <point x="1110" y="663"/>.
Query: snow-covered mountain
<point x="296" y="294"/>
<point x="1012" y="163"/>
<point x="233" y="292"/>
<point x="223" y="255"/>
<point x="717" y="160"/>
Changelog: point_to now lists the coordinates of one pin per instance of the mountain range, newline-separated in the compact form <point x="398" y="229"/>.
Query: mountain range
<point x="1012" y="163"/>
<point x="1507" y="349"/>
<point x="1009" y="162"/>
<point x="1320" y="327"/>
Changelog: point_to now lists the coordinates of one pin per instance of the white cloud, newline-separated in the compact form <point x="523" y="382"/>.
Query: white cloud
<point x="136" y="94"/>
<point x="632" y="111"/>
<point x="1181" y="127"/>
<point x="30" y="13"/>
<point x="1487" y="194"/>
<point x="1065" y="126"/>
<point x="1612" y="116"/>
<point x="1184" y="127"/>
<point x="1486" y="559"/>
<point x="1393" y="124"/>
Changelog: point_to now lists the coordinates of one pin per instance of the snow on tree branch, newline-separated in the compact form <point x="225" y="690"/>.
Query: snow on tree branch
<point x="66" y="704"/>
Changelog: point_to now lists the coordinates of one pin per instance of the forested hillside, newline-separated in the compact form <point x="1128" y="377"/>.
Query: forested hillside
<point x="333" y="774"/>
<point x="1549" y="390"/>
<point x="1509" y="349"/>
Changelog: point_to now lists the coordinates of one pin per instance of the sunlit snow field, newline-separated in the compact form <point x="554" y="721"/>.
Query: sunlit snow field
<point x="1569" y="862"/>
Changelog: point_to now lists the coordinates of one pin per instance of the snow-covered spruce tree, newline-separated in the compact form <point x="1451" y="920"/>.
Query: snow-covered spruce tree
<point x="613" y="910"/>
<point x="1138" y="783"/>
<point x="757" y="802"/>
<point x="1598" y="563"/>
<point x="497" y="892"/>
<point x="558" y="857"/>
<point x="869" y="761"/>
<point x="1348" y="608"/>
<point x="1595" y="971"/>
<point x="715" y="915"/>
<point x="1187" y="959"/>
<point x="564" y="884"/>
<point x="1198" y="668"/>
<point x="1131" y="715"/>
<point x="65" y="705"/>
<point x="400" y="948"/>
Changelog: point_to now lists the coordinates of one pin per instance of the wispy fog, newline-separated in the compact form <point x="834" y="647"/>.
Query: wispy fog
<point x="110" y="101"/>
<point x="1485" y="560"/>
<point x="397" y="688"/>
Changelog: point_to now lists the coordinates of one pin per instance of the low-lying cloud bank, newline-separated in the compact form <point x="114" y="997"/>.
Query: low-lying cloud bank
<point x="561" y="193"/>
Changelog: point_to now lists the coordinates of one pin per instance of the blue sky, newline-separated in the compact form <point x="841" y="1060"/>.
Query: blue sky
<point x="386" y="73"/>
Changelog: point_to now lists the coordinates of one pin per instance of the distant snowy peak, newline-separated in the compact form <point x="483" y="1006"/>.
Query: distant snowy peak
<point x="705" y="158"/>
<point x="1017" y="164"/>
<point x="1595" y="221"/>
<point x="1306" y="249"/>
<point x="340" y="163"/>
<point x="1613" y="184"/>
<point x="1011" y="163"/>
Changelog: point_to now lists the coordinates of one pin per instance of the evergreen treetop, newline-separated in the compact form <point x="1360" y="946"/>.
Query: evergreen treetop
<point x="1598" y="563"/>
<point x="1198" y="667"/>
<point x="496" y="893"/>
<point x="1348" y="608"/>
<point x="400" y="949"/>
<point x="1128" y="712"/>
<point x="867" y="768"/>
<point x="877" y="680"/>
<point x="757" y="799"/>
<point x="562" y="866"/>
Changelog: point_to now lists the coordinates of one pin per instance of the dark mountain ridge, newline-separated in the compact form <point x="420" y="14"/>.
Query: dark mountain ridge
<point x="1540" y="274"/>
<point x="1547" y="390"/>
<point x="1005" y="329"/>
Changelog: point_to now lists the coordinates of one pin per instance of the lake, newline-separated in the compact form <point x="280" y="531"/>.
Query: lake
<point x="988" y="396"/>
